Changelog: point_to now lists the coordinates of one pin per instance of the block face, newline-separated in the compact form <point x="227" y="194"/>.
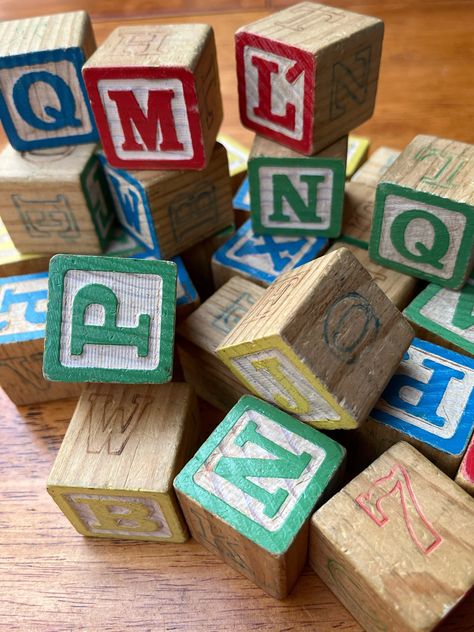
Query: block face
<point x="375" y="167"/>
<point x="23" y="301"/>
<point x="399" y="511"/>
<point x="266" y="257"/>
<point x="98" y="199"/>
<point x="276" y="90"/>
<point x="241" y="199"/>
<point x="446" y="313"/>
<point x="465" y="475"/>
<point x="257" y="441"/>
<point x="431" y="398"/>
<point x="297" y="196"/>
<point x="43" y="101"/>
<point x="357" y="148"/>
<point x="110" y="320"/>
<point x="422" y="234"/>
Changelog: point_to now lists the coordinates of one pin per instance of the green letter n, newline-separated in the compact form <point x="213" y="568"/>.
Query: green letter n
<point x="108" y="333"/>
<point x="283" y="189"/>
<point x="238" y="470"/>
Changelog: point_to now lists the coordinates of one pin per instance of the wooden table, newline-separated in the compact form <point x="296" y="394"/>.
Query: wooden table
<point x="52" y="578"/>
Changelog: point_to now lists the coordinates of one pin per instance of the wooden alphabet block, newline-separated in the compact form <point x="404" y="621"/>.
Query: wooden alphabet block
<point x="424" y="212"/>
<point x="308" y="74"/>
<point x="113" y="475"/>
<point x="56" y="200"/>
<point x="237" y="156"/>
<point x="43" y="100"/>
<point x="357" y="149"/>
<point x="465" y="475"/>
<point x="359" y="203"/>
<point x="23" y="302"/>
<point x="445" y="316"/>
<point x="375" y="167"/>
<point x="262" y="258"/>
<point x="203" y="331"/>
<point x="122" y="244"/>
<point x="13" y="263"/>
<point x="328" y="369"/>
<point x="292" y="194"/>
<point x="110" y="320"/>
<point x="399" y="288"/>
<point x="155" y="94"/>
<point x="429" y="402"/>
<point x="395" y="545"/>
<point x="170" y="211"/>
<point x="249" y="491"/>
<point x="241" y="203"/>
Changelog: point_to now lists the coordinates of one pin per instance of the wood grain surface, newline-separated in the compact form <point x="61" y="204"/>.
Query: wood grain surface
<point x="51" y="578"/>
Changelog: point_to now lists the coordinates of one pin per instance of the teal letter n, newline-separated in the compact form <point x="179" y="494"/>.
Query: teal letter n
<point x="238" y="470"/>
<point x="283" y="189"/>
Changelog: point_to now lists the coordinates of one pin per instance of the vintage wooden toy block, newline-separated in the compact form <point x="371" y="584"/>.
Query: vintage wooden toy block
<point x="249" y="491"/>
<point x="170" y="211"/>
<point x="262" y="258"/>
<point x="110" y="320"/>
<point x="359" y="203"/>
<point x="429" y="402"/>
<point x="395" y="545"/>
<point x="43" y="100"/>
<point x="308" y="74"/>
<point x="292" y="194"/>
<point x="237" y="155"/>
<point x="203" y="331"/>
<point x="241" y="203"/>
<point x="375" y="167"/>
<point x="445" y="316"/>
<point x="357" y="149"/>
<point x="328" y="369"/>
<point x="399" y="287"/>
<point x="23" y="302"/>
<point x="13" y="263"/>
<point x="465" y="475"/>
<point x="424" y="212"/>
<point x="113" y="476"/>
<point x="122" y="244"/>
<point x="56" y="200"/>
<point x="155" y="94"/>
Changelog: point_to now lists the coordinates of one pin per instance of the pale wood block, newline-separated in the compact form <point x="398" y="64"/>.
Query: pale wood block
<point x="113" y="475"/>
<point x="168" y="212"/>
<point x="429" y="402"/>
<point x="249" y="491"/>
<point x="122" y="244"/>
<point x="375" y="167"/>
<point x="155" y="94"/>
<point x="263" y="258"/>
<point x="55" y="200"/>
<point x="329" y="368"/>
<point x="399" y="288"/>
<point x="359" y="200"/>
<point x="23" y="301"/>
<point x="292" y="194"/>
<point x="357" y="150"/>
<point x="203" y="331"/>
<point x="445" y="316"/>
<point x="395" y="545"/>
<point x="308" y="74"/>
<point x="465" y="475"/>
<point x="44" y="101"/>
<point x="424" y="212"/>
<point x="110" y="320"/>
<point x="13" y="263"/>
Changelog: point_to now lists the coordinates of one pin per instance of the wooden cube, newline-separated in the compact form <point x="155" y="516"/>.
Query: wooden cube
<point x="357" y="149"/>
<point x="13" y="263"/>
<point x="23" y="301"/>
<point x="399" y="288"/>
<point x="110" y="320"/>
<point x="43" y="99"/>
<point x="424" y="212"/>
<point x="122" y="244"/>
<point x="249" y="491"/>
<point x="55" y="200"/>
<point x="113" y="475"/>
<point x="395" y="544"/>
<point x="445" y="316"/>
<point x="465" y="475"/>
<point x="203" y="331"/>
<point x="359" y="200"/>
<point x="171" y="211"/>
<point x="155" y="94"/>
<point x="308" y="74"/>
<point x="375" y="167"/>
<point x="429" y="402"/>
<point x="262" y="258"/>
<point x="291" y="194"/>
<point x="321" y="343"/>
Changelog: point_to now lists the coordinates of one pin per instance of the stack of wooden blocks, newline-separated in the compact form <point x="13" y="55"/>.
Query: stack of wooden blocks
<point x="303" y="346"/>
